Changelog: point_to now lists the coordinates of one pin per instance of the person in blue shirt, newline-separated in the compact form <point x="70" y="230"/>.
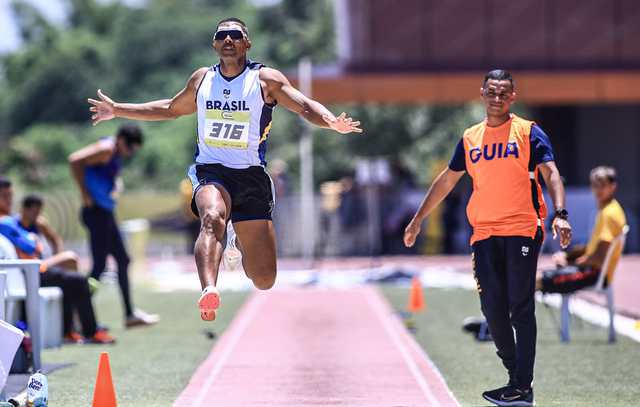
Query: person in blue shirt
<point x="31" y="219"/>
<point x="95" y="169"/>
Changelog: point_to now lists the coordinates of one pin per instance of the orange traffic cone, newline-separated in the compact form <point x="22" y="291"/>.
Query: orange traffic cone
<point x="416" y="299"/>
<point x="104" y="394"/>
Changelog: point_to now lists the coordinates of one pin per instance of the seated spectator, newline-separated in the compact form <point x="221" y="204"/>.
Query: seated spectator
<point x="32" y="220"/>
<point x="75" y="289"/>
<point x="581" y="266"/>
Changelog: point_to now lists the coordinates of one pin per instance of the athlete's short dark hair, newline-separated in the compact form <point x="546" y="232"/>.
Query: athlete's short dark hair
<point x="4" y="182"/>
<point x="32" y="200"/>
<point x="235" y="20"/>
<point x="603" y="173"/>
<point x="131" y="133"/>
<point x="499" y="75"/>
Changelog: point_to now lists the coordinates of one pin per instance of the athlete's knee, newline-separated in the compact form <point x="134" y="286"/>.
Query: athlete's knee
<point x="265" y="281"/>
<point x="213" y="223"/>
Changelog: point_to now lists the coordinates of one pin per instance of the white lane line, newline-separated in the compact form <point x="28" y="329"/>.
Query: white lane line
<point x="374" y="301"/>
<point x="594" y="313"/>
<point x="238" y="330"/>
<point x="419" y="351"/>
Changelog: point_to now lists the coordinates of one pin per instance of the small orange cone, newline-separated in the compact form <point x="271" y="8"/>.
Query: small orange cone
<point x="416" y="298"/>
<point x="104" y="394"/>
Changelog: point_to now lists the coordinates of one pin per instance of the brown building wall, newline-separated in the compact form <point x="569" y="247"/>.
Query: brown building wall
<point x="478" y="34"/>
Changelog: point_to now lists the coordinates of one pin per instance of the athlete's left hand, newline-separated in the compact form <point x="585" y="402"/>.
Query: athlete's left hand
<point x="562" y="228"/>
<point x="343" y="124"/>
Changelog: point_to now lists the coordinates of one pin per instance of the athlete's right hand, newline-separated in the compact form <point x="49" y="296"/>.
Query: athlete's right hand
<point x="342" y="124"/>
<point x="411" y="232"/>
<point x="103" y="109"/>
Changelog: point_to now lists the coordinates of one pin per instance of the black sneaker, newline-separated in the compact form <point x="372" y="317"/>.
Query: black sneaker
<point x="510" y="396"/>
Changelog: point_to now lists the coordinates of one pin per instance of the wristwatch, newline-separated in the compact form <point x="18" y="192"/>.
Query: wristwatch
<point x="562" y="214"/>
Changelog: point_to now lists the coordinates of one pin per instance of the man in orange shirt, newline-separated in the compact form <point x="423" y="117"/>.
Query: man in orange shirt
<point x="503" y="155"/>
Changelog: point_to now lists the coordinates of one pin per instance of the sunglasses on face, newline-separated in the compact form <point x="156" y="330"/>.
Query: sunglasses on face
<point x="233" y="34"/>
<point x="492" y="95"/>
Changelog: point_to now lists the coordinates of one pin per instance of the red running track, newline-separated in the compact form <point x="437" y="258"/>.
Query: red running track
<point x="316" y="347"/>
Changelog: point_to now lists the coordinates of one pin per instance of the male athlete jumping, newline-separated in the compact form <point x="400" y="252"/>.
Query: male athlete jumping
<point x="234" y="101"/>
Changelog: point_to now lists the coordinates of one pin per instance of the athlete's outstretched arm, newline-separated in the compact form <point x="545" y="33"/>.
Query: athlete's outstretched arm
<point x="441" y="187"/>
<point x="181" y="104"/>
<point x="280" y="89"/>
<point x="553" y="181"/>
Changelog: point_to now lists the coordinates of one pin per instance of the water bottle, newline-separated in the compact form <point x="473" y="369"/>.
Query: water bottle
<point x="37" y="391"/>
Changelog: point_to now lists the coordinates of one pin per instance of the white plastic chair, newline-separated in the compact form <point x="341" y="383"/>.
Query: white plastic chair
<point x="31" y="269"/>
<point x="616" y="244"/>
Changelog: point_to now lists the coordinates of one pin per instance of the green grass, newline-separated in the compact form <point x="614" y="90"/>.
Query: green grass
<point x="150" y="366"/>
<point x="586" y="372"/>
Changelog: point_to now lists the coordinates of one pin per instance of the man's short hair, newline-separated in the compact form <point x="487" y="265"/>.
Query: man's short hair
<point x="131" y="133"/>
<point x="4" y="182"/>
<point x="32" y="200"/>
<point x="499" y="75"/>
<point x="235" y="20"/>
<point x="603" y="173"/>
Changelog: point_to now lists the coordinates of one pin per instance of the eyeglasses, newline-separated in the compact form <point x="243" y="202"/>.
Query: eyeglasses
<point x="492" y="95"/>
<point x="233" y="34"/>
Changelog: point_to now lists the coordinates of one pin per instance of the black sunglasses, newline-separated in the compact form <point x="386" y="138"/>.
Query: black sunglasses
<point x="233" y="34"/>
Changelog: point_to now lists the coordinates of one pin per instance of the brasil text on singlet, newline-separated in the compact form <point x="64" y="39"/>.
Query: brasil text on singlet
<point x="233" y="119"/>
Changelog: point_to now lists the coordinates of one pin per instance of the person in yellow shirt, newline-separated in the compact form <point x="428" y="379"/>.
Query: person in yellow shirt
<point x="581" y="267"/>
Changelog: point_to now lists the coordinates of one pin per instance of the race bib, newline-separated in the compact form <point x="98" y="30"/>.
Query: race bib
<point x="227" y="129"/>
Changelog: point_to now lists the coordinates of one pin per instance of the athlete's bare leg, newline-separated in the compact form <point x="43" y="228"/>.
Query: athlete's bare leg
<point x="214" y="206"/>
<point x="257" y="240"/>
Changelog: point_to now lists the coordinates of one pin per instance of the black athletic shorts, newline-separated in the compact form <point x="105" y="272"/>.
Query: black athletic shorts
<point x="251" y="189"/>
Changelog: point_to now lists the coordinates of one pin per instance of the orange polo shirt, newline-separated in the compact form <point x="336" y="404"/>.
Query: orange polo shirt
<point x="502" y="161"/>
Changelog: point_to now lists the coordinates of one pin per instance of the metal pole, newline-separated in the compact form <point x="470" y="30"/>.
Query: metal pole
<point x="307" y="223"/>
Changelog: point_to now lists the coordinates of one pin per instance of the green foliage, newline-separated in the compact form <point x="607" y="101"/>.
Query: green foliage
<point x="50" y="84"/>
<point x="298" y="29"/>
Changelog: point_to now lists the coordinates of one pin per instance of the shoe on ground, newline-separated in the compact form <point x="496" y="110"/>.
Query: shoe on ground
<point x="102" y="337"/>
<point x="141" y="318"/>
<point x="510" y="396"/>
<point x="208" y="303"/>
<point x="73" y="338"/>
